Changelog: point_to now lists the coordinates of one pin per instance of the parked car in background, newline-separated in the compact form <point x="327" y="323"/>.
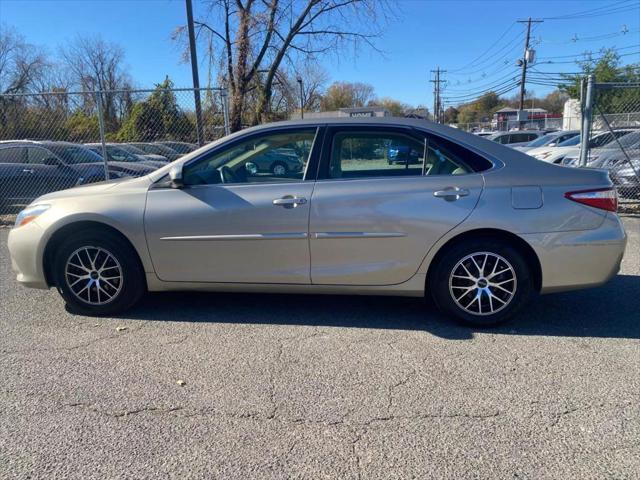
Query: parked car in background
<point x="611" y="154"/>
<point x="133" y="164"/>
<point x="157" y="149"/>
<point x="402" y="154"/>
<point x="278" y="162"/>
<point x="480" y="227"/>
<point x="626" y="177"/>
<point x="29" y="169"/>
<point x="552" y="139"/>
<point x="159" y="159"/>
<point x="571" y="147"/>
<point x="516" y="138"/>
<point x="180" y="147"/>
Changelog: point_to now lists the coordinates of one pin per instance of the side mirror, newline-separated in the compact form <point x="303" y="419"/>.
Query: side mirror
<point x="251" y="168"/>
<point x="51" y="161"/>
<point x="175" y="174"/>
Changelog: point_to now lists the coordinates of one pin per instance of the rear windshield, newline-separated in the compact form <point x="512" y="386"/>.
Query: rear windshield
<point x="75" y="154"/>
<point x="541" y="141"/>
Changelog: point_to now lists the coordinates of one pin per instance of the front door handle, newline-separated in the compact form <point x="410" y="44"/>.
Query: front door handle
<point x="289" y="201"/>
<point x="451" y="193"/>
<point x="27" y="170"/>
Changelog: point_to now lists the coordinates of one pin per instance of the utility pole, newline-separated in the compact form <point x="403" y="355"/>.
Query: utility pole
<point x="299" y="80"/>
<point x="437" y="103"/>
<point x="194" y="72"/>
<point x="526" y="58"/>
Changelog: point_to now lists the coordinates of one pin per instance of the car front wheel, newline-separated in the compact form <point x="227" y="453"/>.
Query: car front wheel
<point x="98" y="273"/>
<point x="481" y="282"/>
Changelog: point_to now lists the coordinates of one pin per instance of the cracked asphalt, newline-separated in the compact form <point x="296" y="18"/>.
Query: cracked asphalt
<point x="277" y="386"/>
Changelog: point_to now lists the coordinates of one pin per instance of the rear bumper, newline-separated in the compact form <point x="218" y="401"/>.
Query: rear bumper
<point x="579" y="259"/>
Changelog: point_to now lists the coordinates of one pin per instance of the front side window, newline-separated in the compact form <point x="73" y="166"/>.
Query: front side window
<point x="273" y="157"/>
<point x="37" y="156"/>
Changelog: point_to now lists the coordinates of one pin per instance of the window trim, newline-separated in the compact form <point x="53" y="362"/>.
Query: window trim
<point x="418" y="133"/>
<point x="25" y="153"/>
<point x="43" y="149"/>
<point x="309" y="169"/>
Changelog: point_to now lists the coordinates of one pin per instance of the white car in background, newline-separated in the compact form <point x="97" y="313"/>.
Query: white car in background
<point x="552" y="139"/>
<point x="610" y="155"/>
<point x="571" y="147"/>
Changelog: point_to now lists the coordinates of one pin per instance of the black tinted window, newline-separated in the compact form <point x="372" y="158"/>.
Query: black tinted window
<point x="13" y="155"/>
<point x="37" y="156"/>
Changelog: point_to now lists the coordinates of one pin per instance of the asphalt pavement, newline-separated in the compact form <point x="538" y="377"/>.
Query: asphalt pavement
<point x="281" y="386"/>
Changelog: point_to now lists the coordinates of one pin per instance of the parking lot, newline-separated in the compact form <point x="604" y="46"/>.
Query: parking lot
<point x="277" y="386"/>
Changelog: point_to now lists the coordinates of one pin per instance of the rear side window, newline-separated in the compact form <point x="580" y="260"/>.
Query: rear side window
<point x="459" y="156"/>
<point x="375" y="154"/>
<point x="378" y="153"/>
<point x="13" y="155"/>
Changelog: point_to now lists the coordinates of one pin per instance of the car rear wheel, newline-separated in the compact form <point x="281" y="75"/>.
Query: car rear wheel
<point x="481" y="282"/>
<point x="98" y="274"/>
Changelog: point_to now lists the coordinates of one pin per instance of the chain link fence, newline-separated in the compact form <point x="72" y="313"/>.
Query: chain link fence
<point x="56" y="140"/>
<point x="612" y="111"/>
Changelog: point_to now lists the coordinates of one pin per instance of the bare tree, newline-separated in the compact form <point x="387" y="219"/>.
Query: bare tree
<point x="257" y="38"/>
<point x="96" y="65"/>
<point x="22" y="65"/>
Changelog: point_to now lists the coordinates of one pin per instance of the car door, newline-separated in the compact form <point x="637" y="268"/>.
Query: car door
<point x="16" y="182"/>
<point x="373" y="221"/>
<point x="232" y="222"/>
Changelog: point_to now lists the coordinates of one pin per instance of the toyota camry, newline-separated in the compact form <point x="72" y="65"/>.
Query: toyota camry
<point x="480" y="227"/>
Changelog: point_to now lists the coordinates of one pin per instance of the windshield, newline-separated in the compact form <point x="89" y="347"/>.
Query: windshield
<point x="573" y="141"/>
<point x="542" y="141"/>
<point x="180" y="147"/>
<point x="163" y="149"/>
<point x="120" y="155"/>
<point x="74" y="154"/>
<point x="629" y="140"/>
<point x="131" y="149"/>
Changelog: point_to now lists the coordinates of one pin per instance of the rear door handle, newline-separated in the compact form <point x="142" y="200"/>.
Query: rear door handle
<point x="27" y="170"/>
<point x="289" y="201"/>
<point x="451" y="193"/>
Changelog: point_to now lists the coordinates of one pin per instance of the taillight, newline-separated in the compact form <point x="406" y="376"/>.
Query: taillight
<point x="603" y="198"/>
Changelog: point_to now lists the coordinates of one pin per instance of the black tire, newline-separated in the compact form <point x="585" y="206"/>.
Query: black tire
<point x="441" y="274"/>
<point x="131" y="287"/>
<point x="279" y="164"/>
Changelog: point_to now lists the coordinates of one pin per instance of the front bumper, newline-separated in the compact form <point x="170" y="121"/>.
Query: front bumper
<point x="25" y="248"/>
<point x="579" y="259"/>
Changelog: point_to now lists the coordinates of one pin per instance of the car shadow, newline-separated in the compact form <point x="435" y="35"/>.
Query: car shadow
<point x="611" y="311"/>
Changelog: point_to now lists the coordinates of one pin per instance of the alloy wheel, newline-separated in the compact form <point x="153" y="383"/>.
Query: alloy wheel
<point x="482" y="283"/>
<point x="94" y="275"/>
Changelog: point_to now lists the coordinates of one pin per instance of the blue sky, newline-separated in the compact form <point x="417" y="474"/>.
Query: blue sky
<point x="427" y="33"/>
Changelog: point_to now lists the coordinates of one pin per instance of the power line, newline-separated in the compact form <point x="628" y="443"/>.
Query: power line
<point x="616" y="7"/>
<point x="486" y="51"/>
<point x="602" y="50"/>
<point x="577" y="60"/>
<point x="575" y="39"/>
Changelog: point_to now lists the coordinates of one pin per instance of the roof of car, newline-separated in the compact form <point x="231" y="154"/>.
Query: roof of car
<point x="39" y="142"/>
